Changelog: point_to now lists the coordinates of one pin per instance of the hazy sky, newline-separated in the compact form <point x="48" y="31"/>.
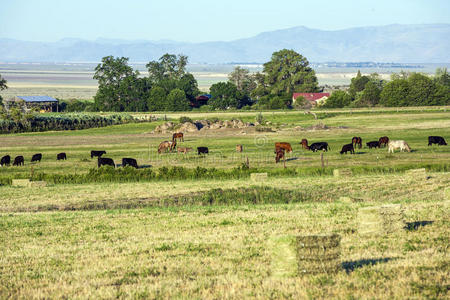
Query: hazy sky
<point x="202" y="20"/>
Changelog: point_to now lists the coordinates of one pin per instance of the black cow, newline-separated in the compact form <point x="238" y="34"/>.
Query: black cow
<point x="61" y="156"/>
<point x="18" y="160"/>
<point x="6" y="160"/>
<point x="373" y="144"/>
<point x="104" y="161"/>
<point x="346" y="148"/>
<point x="436" y="140"/>
<point x="97" y="153"/>
<point x="202" y="150"/>
<point x="129" y="162"/>
<point x="319" y="146"/>
<point x="36" y="157"/>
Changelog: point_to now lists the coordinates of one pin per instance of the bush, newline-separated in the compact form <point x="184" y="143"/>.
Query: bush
<point x="184" y="119"/>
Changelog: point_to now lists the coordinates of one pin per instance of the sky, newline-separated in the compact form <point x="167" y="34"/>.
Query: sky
<point x="202" y="20"/>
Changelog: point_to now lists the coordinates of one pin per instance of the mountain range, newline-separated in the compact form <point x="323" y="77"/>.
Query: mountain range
<point x="428" y="43"/>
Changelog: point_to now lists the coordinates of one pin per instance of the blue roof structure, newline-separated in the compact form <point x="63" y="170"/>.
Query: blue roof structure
<point x="37" y="98"/>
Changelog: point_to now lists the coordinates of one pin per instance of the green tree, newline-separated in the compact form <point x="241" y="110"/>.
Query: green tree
<point x="338" y="99"/>
<point x="169" y="66"/>
<point x="157" y="99"/>
<point x="176" y="101"/>
<point x="358" y="84"/>
<point x="288" y="72"/>
<point x="395" y="93"/>
<point x="223" y="95"/>
<point x="189" y="85"/>
<point x="421" y="90"/>
<point x="370" y="96"/>
<point x="442" y="77"/>
<point x="3" y="86"/>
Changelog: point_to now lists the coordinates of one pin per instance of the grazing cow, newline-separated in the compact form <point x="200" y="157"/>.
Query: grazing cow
<point x="436" y="140"/>
<point x="6" y="160"/>
<point x="402" y="145"/>
<point x="304" y="143"/>
<point x="18" y="160"/>
<point x="356" y="140"/>
<point x="36" y="157"/>
<point x="373" y="144"/>
<point x="163" y="146"/>
<point x="319" y="146"/>
<point x="129" y="162"/>
<point x="346" y="148"/>
<point x="202" y="150"/>
<point x="184" y="150"/>
<point x="239" y="148"/>
<point x="383" y="141"/>
<point x="97" y="153"/>
<point x="279" y="155"/>
<point x="282" y="145"/>
<point x="173" y="145"/>
<point x="104" y="161"/>
<point x="178" y="135"/>
<point x="61" y="156"/>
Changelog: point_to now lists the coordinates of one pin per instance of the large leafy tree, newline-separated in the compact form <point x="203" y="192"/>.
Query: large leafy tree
<point x="288" y="72"/>
<point x="395" y="93"/>
<point x="3" y="86"/>
<point x="338" y="99"/>
<point x="157" y="99"/>
<point x="358" y="84"/>
<point x="169" y="66"/>
<point x="176" y="101"/>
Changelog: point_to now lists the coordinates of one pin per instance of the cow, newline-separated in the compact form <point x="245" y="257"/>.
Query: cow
<point x="304" y="143"/>
<point x="178" y="135"/>
<point x="402" y="145"/>
<point x="18" y="160"/>
<point x="104" y="161"/>
<point x="163" y="146"/>
<point x="129" y="162"/>
<point x="61" y="156"/>
<point x="173" y="145"/>
<point x="383" y="141"/>
<point x="436" y="140"/>
<point x="97" y="153"/>
<point x="279" y="155"/>
<point x="346" y="148"/>
<point x="356" y="140"/>
<point x="373" y="144"/>
<point x="239" y="148"/>
<point x="319" y="146"/>
<point x="282" y="145"/>
<point x="184" y="150"/>
<point x="5" y="161"/>
<point x="36" y="157"/>
<point x="202" y="150"/>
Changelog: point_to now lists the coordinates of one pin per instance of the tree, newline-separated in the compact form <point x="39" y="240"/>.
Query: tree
<point x="223" y="95"/>
<point x="395" y="93"/>
<point x="338" y="99"/>
<point x="370" y="96"/>
<point x="176" y="101"/>
<point x="243" y="80"/>
<point x="421" y="90"/>
<point x="157" y="99"/>
<point x="169" y="66"/>
<point x="358" y="84"/>
<point x="189" y="85"/>
<point x="3" y="86"/>
<point x="442" y="77"/>
<point x="288" y="72"/>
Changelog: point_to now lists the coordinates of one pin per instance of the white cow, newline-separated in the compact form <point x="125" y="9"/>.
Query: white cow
<point x="398" y="144"/>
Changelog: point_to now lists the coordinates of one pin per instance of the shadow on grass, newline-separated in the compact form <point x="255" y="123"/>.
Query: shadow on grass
<point x="415" y="225"/>
<point x="360" y="152"/>
<point x="144" y="166"/>
<point x="292" y="158"/>
<point x="350" y="266"/>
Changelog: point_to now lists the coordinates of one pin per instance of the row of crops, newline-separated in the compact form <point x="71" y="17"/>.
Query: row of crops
<point x="63" y="122"/>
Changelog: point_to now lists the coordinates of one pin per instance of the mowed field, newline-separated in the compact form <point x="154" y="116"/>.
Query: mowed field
<point x="58" y="243"/>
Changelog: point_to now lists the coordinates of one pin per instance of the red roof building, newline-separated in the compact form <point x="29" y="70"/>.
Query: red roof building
<point x="310" y="96"/>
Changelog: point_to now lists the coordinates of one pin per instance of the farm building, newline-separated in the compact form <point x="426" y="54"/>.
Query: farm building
<point x="200" y="100"/>
<point x="40" y="103"/>
<point x="313" y="98"/>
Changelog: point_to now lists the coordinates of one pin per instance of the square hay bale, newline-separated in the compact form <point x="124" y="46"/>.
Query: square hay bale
<point x="370" y="221"/>
<point x="21" y="182"/>
<point x="38" y="183"/>
<point x="342" y="172"/>
<point x="417" y="173"/>
<point x="283" y="256"/>
<point x="393" y="218"/>
<point x="258" y="177"/>
<point x="319" y="254"/>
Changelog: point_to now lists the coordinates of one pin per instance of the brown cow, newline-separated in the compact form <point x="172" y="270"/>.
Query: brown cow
<point x="163" y="146"/>
<point x="356" y="140"/>
<point x="177" y="135"/>
<point x="279" y="155"/>
<point x="183" y="150"/>
<point x="239" y="148"/>
<point x="282" y="145"/>
<point x="304" y="143"/>
<point x="383" y="141"/>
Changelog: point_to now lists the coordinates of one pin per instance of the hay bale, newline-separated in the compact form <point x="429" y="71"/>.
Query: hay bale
<point x="258" y="177"/>
<point x="342" y="172"/>
<point x="21" y="182"/>
<point x="417" y="173"/>
<point x="370" y="221"/>
<point x="283" y="256"/>
<point x="318" y="254"/>
<point x="393" y="218"/>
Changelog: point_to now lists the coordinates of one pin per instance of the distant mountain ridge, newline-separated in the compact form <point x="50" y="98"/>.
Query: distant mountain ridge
<point x="392" y="43"/>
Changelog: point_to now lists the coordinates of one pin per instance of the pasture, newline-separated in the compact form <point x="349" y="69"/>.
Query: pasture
<point x="167" y="238"/>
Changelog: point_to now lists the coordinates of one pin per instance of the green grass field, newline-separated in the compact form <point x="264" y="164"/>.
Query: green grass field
<point x="152" y="240"/>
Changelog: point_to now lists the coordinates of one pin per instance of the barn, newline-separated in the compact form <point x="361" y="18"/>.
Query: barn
<point x="40" y="103"/>
<point x="313" y="98"/>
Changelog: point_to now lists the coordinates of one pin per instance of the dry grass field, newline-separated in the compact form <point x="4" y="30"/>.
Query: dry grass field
<point x="123" y="240"/>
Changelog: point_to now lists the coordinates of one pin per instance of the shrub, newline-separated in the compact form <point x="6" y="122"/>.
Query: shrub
<point x="184" y="119"/>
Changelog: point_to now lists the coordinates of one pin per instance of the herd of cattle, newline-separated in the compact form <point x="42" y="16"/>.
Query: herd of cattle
<point x="280" y="149"/>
